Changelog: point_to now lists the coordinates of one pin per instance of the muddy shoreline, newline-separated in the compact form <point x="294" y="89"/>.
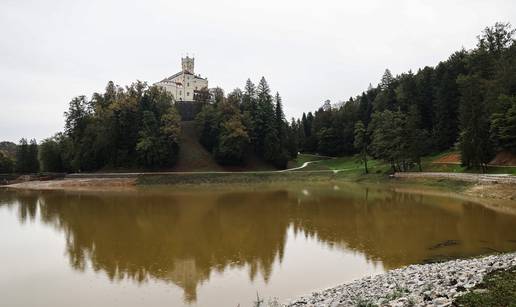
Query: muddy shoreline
<point x="94" y="184"/>
<point x="456" y="184"/>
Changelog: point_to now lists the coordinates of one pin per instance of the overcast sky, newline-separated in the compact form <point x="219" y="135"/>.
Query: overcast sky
<point x="309" y="51"/>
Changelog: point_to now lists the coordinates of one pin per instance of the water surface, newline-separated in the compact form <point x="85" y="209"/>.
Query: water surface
<point x="162" y="247"/>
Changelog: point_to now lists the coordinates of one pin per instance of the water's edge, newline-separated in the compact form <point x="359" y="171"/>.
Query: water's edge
<point x="415" y="285"/>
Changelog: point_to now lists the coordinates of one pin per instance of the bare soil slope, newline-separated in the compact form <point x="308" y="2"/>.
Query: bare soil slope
<point x="503" y="158"/>
<point x="192" y="156"/>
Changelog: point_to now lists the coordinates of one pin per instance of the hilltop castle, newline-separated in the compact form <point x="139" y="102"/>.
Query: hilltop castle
<point x="185" y="83"/>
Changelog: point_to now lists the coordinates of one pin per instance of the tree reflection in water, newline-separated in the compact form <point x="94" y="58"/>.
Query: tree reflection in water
<point x="184" y="237"/>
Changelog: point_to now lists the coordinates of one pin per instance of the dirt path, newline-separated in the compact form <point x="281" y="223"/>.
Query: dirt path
<point x="478" y="178"/>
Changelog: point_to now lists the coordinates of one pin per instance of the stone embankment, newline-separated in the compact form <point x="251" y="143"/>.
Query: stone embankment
<point x="436" y="284"/>
<point x="478" y="178"/>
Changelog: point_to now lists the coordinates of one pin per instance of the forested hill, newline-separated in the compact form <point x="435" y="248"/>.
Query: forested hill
<point x="467" y="101"/>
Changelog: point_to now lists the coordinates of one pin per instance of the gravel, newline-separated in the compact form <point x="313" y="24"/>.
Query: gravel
<point x="436" y="284"/>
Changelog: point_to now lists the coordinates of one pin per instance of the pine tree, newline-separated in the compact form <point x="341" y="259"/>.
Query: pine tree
<point x="280" y="120"/>
<point x="416" y="137"/>
<point x="360" y="143"/>
<point x="386" y="98"/>
<point x="475" y="145"/>
<point x="293" y="138"/>
<point x="22" y="156"/>
<point x="265" y="126"/>
<point x="33" y="162"/>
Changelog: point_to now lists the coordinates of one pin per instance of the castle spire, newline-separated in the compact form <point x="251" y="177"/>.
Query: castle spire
<point x="187" y="63"/>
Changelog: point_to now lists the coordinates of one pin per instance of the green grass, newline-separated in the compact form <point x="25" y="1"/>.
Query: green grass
<point x="349" y="168"/>
<point x="497" y="289"/>
<point x="349" y="165"/>
<point x="234" y="178"/>
<point x="501" y="170"/>
<point x="302" y="158"/>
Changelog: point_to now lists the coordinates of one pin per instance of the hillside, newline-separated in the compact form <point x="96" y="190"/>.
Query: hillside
<point x="503" y="158"/>
<point x="193" y="157"/>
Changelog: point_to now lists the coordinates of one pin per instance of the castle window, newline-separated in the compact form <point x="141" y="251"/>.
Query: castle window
<point x="187" y="93"/>
<point x="188" y="84"/>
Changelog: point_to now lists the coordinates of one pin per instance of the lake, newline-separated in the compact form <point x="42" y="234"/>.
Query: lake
<point x="193" y="247"/>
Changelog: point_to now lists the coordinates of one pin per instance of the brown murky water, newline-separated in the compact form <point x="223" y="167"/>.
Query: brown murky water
<point x="173" y="248"/>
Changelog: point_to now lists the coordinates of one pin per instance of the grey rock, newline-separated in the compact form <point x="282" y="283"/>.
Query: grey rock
<point x="433" y="284"/>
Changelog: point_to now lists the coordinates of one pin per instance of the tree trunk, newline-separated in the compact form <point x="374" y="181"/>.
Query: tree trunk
<point x="365" y="163"/>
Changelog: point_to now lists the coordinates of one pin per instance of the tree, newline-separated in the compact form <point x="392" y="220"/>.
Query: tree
<point x="386" y="98"/>
<point x="6" y="163"/>
<point x="158" y="143"/>
<point x="122" y="128"/>
<point x="417" y="138"/>
<point x="361" y="143"/>
<point x="497" y="38"/>
<point x="503" y="124"/>
<point x="249" y="109"/>
<point x="33" y="156"/>
<point x="387" y="80"/>
<point x="207" y="122"/>
<point x="22" y="156"/>
<point x="388" y="142"/>
<point x="232" y="141"/>
<point x="266" y="135"/>
<point x="293" y="138"/>
<point x="218" y="95"/>
<point x="147" y="147"/>
<point x="475" y="145"/>
<point x="310" y="144"/>
<point x="281" y="125"/>
<point x="27" y="157"/>
<point x="50" y="155"/>
<point x="446" y="101"/>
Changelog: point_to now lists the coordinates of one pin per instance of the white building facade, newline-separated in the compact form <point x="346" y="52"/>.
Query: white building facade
<point x="183" y="84"/>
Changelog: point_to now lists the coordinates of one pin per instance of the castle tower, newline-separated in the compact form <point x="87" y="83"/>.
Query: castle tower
<point x="187" y="64"/>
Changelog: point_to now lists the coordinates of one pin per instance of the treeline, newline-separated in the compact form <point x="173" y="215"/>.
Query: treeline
<point x="468" y="101"/>
<point x="247" y="122"/>
<point x="21" y="158"/>
<point x="132" y="127"/>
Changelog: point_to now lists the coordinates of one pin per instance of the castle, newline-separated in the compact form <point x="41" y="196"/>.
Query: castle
<point x="184" y="84"/>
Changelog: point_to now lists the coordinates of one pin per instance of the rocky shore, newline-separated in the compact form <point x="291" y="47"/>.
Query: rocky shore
<point x="436" y="284"/>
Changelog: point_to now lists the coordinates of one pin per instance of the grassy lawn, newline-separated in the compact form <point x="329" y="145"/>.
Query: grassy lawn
<point x="501" y="170"/>
<point x="497" y="289"/>
<point x="234" y="178"/>
<point x="352" y="164"/>
<point x="302" y="158"/>
<point x="349" y="164"/>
